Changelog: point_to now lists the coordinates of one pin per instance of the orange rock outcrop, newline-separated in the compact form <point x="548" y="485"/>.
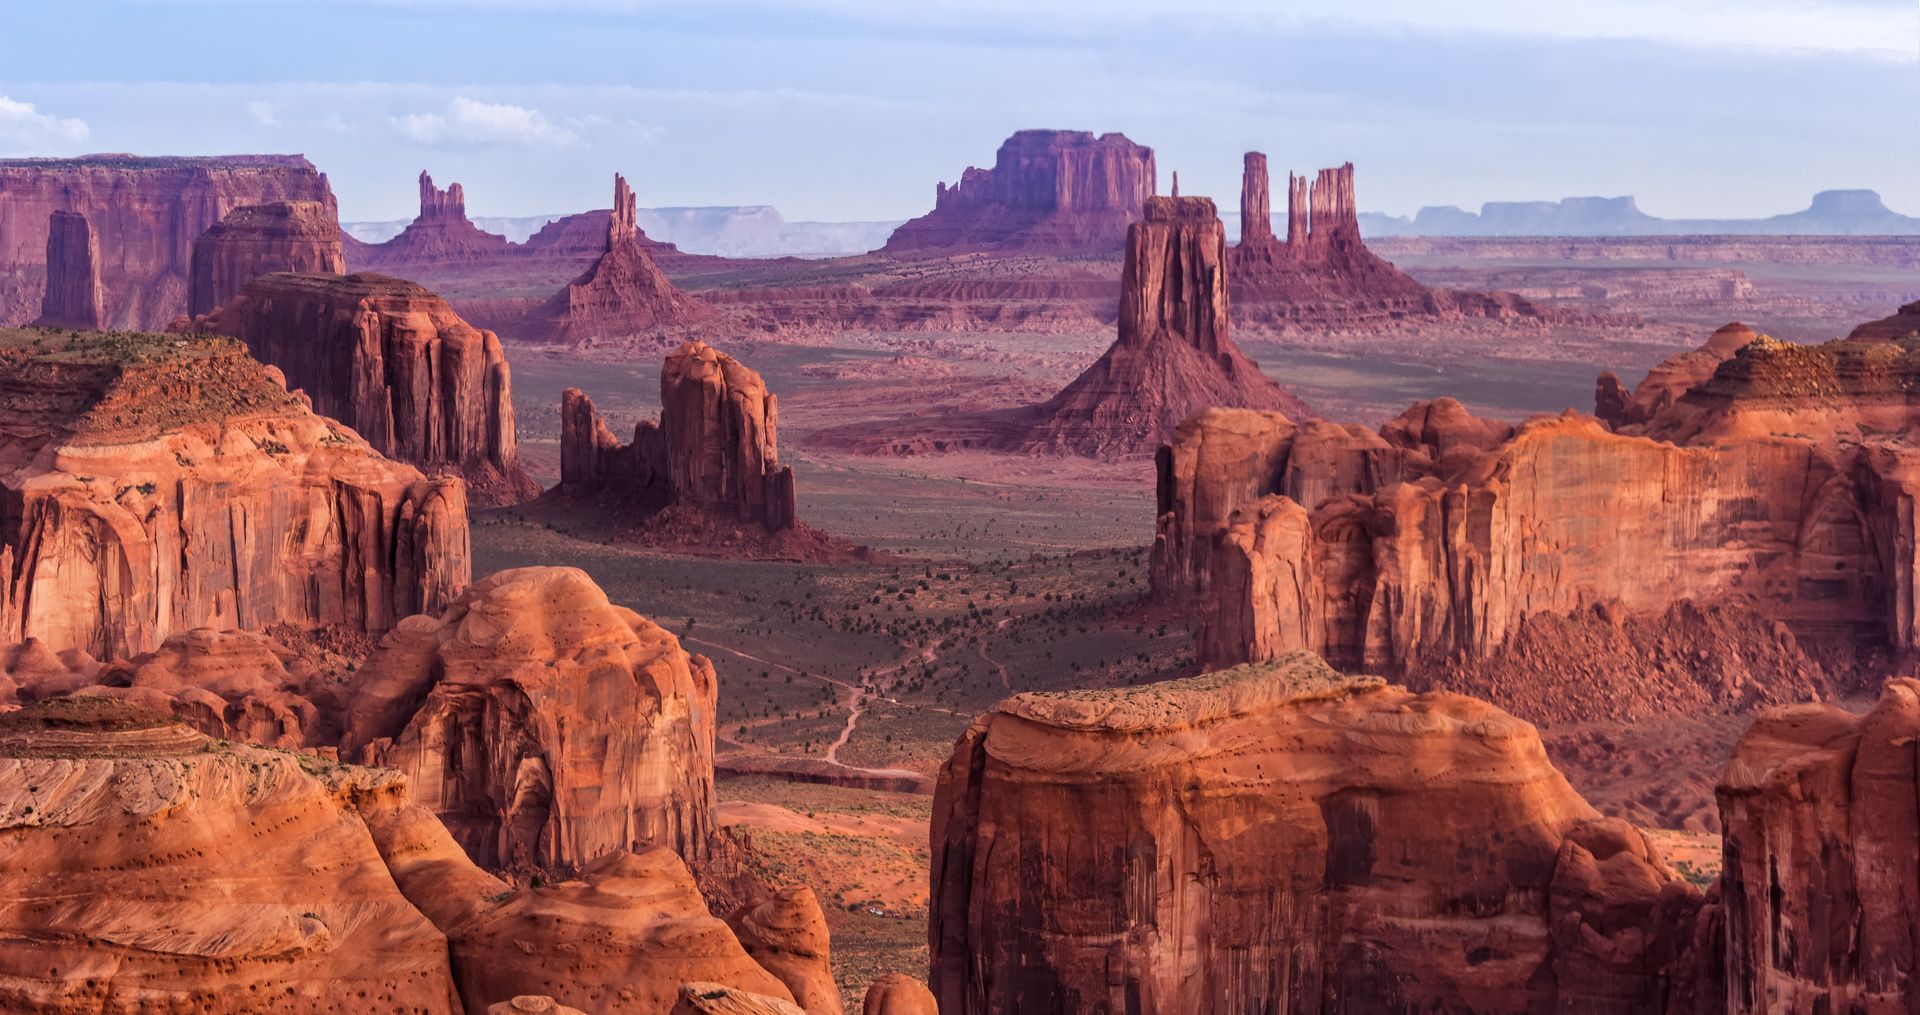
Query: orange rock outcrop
<point x="1281" y="838"/>
<point x="786" y="932"/>
<point x="154" y="484"/>
<point x="391" y="360"/>
<point x="546" y="726"/>
<point x="260" y="239"/>
<point x="898" y="994"/>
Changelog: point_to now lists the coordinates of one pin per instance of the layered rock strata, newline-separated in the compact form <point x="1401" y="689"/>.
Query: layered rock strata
<point x="1281" y="838"/>
<point x="154" y="484"/>
<point x="145" y="213"/>
<point x="715" y="448"/>
<point x="72" y="298"/>
<point x="394" y="362"/>
<point x="1053" y="191"/>
<point x="256" y="240"/>
<point x="546" y="726"/>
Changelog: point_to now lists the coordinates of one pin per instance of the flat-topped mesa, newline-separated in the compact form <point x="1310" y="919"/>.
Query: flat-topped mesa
<point x="145" y="213"/>
<point x="546" y="726"/>
<point x="440" y="234"/>
<point x="161" y="483"/>
<point x="623" y="296"/>
<point x="1049" y="191"/>
<point x="1283" y="838"/>
<point x="715" y="448"/>
<point x="1780" y="486"/>
<point x="72" y="298"/>
<point x="1173" y="356"/>
<point x="261" y="239"/>
<point x="393" y="361"/>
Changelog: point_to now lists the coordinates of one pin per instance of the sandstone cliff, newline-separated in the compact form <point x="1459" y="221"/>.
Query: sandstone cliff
<point x="145" y="213"/>
<point x="715" y="449"/>
<point x="259" y="240"/>
<point x="1820" y="889"/>
<point x="1056" y="191"/>
<point x="154" y="484"/>
<point x="394" y="362"/>
<point x="1281" y="838"/>
<point x="1900" y="324"/>
<point x="72" y="298"/>
<point x="624" y="295"/>
<point x="1779" y="488"/>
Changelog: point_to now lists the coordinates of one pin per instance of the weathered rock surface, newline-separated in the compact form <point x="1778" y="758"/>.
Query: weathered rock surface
<point x="1057" y="191"/>
<point x="256" y="240"/>
<point x="1820" y="887"/>
<point x="394" y="362"/>
<point x="1672" y="377"/>
<point x="1778" y="487"/>
<point x="715" y="448"/>
<point x="72" y="298"/>
<point x="154" y="484"/>
<point x="545" y="726"/>
<point x="532" y="1004"/>
<point x="786" y="933"/>
<point x="898" y="994"/>
<point x="145" y="213"/>
<point x="1901" y="324"/>
<point x="720" y="999"/>
<point x="1281" y="838"/>
<point x="147" y="868"/>
<point x="624" y="295"/>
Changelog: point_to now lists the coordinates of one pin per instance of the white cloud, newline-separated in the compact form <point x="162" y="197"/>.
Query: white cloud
<point x="26" y="130"/>
<point x="471" y="121"/>
<point x="263" y="113"/>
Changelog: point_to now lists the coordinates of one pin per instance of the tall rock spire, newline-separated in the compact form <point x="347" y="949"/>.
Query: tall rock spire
<point x="623" y="226"/>
<point x="1296" y="211"/>
<point x="1256" y="209"/>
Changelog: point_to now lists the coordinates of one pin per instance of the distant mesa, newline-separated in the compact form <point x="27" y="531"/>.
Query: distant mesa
<point x="393" y="361"/>
<point x="1173" y="357"/>
<point x="440" y="234"/>
<point x="1051" y="191"/>
<point x="623" y="296"/>
<point x="1831" y="213"/>
<point x="144" y="213"/>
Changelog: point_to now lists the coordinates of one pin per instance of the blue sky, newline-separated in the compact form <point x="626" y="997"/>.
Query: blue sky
<point x="852" y="109"/>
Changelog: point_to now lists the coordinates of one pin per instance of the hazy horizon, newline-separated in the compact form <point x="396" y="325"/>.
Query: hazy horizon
<point x="851" y="110"/>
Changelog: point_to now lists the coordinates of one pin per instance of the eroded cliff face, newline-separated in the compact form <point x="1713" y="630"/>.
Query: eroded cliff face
<point x="1054" y="191"/>
<point x="394" y="362"/>
<point x="154" y="484"/>
<point x="623" y="295"/>
<point x="145" y="213"/>
<point x="1821" y="888"/>
<point x="72" y="298"/>
<point x="256" y="240"/>
<point x="546" y="726"/>
<point x="1779" y="487"/>
<point x="1282" y="838"/>
<point x="714" y="450"/>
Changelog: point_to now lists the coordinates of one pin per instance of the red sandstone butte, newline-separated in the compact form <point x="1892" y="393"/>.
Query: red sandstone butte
<point x="1901" y="324"/>
<point x="1322" y="273"/>
<point x="258" y="240"/>
<point x="145" y="213"/>
<point x="440" y="234"/>
<point x="1281" y="838"/>
<point x="624" y="295"/>
<point x="158" y="483"/>
<point x="394" y="362"/>
<point x="1053" y="191"/>
<point x="1469" y="566"/>
<point x="715" y="449"/>
<point x="72" y="298"/>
